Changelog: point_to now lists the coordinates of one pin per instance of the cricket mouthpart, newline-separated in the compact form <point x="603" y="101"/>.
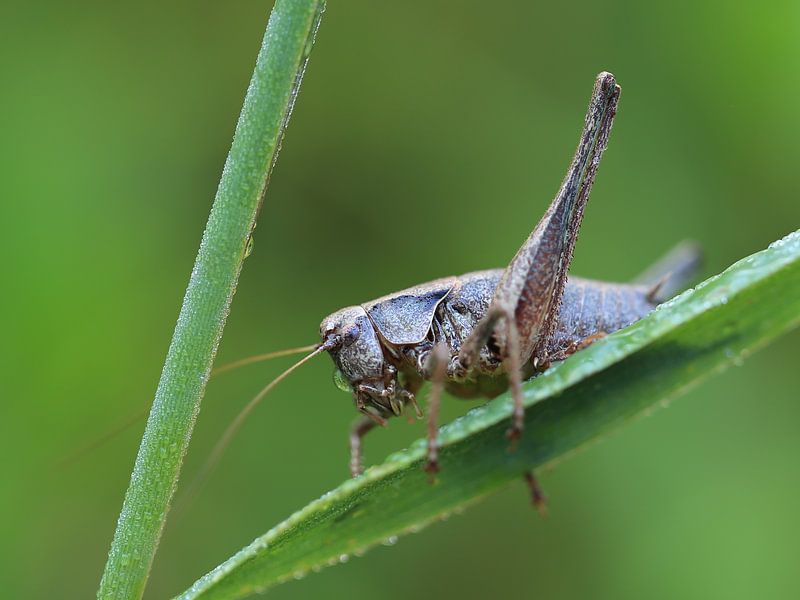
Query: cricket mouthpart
<point x="353" y="344"/>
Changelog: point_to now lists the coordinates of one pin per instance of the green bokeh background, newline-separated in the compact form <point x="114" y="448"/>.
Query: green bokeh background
<point x="427" y="141"/>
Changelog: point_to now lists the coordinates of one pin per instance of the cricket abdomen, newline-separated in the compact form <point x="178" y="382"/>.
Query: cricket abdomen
<point x="588" y="308"/>
<point x="591" y="308"/>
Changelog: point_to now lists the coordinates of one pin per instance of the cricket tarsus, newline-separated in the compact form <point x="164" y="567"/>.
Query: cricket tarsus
<point x="538" y="499"/>
<point x="481" y="333"/>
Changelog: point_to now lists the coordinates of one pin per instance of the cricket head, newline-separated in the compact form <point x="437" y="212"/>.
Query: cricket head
<point x="361" y="368"/>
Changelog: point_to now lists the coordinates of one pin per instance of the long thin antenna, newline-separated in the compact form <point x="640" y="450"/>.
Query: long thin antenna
<point x="79" y="453"/>
<point x="132" y="420"/>
<point x="222" y="444"/>
<point x="259" y="358"/>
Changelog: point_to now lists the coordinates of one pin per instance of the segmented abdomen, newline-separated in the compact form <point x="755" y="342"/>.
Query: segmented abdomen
<point x="592" y="307"/>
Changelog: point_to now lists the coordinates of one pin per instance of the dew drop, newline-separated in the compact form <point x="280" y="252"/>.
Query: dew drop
<point x="248" y="250"/>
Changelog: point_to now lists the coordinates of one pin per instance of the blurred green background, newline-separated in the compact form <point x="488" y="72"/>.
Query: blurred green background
<point x="427" y="141"/>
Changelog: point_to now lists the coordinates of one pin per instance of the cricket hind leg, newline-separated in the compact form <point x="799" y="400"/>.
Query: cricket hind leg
<point x="532" y="285"/>
<point x="513" y="368"/>
<point x="527" y="298"/>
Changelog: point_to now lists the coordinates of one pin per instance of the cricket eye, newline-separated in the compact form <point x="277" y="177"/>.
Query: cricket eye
<point x="351" y="334"/>
<point x="341" y="382"/>
<point x="327" y="331"/>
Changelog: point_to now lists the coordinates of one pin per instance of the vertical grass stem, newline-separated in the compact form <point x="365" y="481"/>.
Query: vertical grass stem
<point x="267" y="107"/>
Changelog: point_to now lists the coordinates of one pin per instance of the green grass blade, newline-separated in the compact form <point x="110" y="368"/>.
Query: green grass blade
<point x="265" y="113"/>
<point x="616" y="379"/>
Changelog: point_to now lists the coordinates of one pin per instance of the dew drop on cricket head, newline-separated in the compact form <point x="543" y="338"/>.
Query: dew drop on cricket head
<point x="341" y="382"/>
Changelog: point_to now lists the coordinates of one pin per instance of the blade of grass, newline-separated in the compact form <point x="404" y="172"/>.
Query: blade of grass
<point x="262" y="122"/>
<point x="616" y="379"/>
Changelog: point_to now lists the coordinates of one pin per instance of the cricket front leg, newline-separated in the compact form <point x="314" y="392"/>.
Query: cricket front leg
<point x="524" y="308"/>
<point x="359" y="429"/>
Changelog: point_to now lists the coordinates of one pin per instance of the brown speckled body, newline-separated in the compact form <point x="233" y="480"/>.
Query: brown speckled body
<point x="481" y="333"/>
<point x="409" y="323"/>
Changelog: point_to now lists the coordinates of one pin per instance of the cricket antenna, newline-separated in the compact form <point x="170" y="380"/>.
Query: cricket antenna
<point x="233" y="428"/>
<point x="132" y="420"/>
<point x="261" y="357"/>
